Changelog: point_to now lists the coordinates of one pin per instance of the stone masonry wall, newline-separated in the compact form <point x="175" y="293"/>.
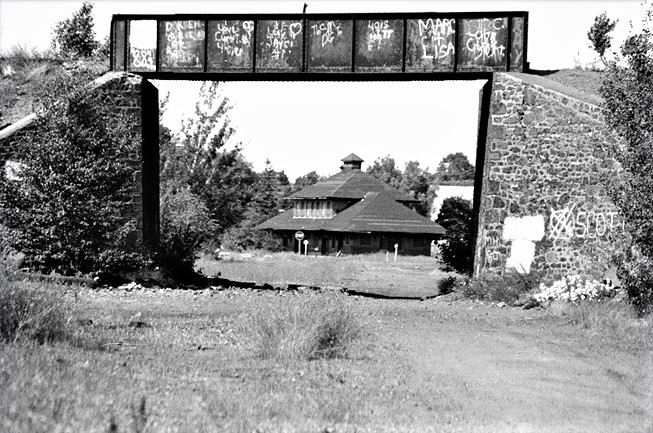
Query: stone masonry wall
<point x="543" y="206"/>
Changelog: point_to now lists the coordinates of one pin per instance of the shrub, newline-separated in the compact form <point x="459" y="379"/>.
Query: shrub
<point x="315" y="326"/>
<point x="447" y="285"/>
<point x="68" y="211"/>
<point x="627" y="92"/>
<point x="185" y="226"/>
<point x="456" y="217"/>
<point x="31" y="311"/>
<point x="244" y="237"/>
<point x="502" y="288"/>
<point x="636" y="274"/>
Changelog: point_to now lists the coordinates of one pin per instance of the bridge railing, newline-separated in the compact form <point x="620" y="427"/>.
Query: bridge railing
<point x="320" y="43"/>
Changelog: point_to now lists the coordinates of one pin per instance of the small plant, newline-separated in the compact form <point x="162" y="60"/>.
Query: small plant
<point x="502" y="288"/>
<point x="447" y="285"/>
<point x="317" y="326"/>
<point x="30" y="311"/>
<point x="576" y="288"/>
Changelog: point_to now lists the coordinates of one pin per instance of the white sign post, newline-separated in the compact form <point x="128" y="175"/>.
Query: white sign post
<point x="306" y="247"/>
<point x="396" y="248"/>
<point x="299" y="235"/>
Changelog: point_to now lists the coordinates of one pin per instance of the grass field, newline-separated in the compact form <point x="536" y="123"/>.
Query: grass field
<point x="199" y="361"/>
<point x="415" y="276"/>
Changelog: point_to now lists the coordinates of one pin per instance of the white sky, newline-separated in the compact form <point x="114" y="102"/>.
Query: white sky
<point x="307" y="126"/>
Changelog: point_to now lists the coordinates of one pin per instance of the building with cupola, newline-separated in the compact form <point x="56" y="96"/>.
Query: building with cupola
<point x="352" y="212"/>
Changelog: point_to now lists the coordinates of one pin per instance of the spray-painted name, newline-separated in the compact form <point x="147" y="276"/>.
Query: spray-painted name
<point x="435" y="37"/>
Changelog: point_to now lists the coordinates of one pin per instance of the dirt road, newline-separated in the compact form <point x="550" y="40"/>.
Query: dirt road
<point x="519" y="371"/>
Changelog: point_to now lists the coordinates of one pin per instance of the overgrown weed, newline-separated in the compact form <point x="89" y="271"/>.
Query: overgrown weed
<point x="501" y="288"/>
<point x="32" y="311"/>
<point x="614" y="319"/>
<point x="313" y="326"/>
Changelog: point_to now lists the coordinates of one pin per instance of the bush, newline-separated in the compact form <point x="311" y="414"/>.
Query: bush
<point x="315" y="326"/>
<point x="635" y="271"/>
<point x="456" y="217"/>
<point x="68" y="210"/>
<point x="185" y="226"/>
<point x="627" y="92"/>
<point x="31" y="311"/>
<point x="243" y="237"/>
<point x="447" y="285"/>
<point x="502" y="288"/>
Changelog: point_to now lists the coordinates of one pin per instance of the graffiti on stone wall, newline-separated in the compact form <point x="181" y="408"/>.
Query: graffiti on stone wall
<point x="569" y="223"/>
<point x="492" y="256"/>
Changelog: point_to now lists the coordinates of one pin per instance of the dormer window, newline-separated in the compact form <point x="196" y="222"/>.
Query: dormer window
<point x="313" y="209"/>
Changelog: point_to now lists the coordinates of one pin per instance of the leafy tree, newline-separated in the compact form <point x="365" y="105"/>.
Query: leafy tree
<point x="628" y="94"/>
<point x="190" y="158"/>
<point x="455" y="167"/>
<point x="75" y="36"/>
<point x="419" y="184"/>
<point x="268" y="192"/>
<point x="385" y="170"/>
<point x="456" y="217"/>
<point x="231" y="189"/>
<point x="599" y="34"/>
<point x="307" y="180"/>
<point x="67" y="211"/>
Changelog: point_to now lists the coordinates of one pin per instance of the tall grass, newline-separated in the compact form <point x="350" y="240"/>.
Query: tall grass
<point x="32" y="311"/>
<point x="617" y="320"/>
<point x="308" y="327"/>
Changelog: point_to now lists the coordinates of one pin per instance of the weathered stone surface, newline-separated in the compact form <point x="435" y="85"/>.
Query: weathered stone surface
<point x="550" y="163"/>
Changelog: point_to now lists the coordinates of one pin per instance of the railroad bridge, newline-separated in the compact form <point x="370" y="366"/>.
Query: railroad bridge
<point x="538" y="202"/>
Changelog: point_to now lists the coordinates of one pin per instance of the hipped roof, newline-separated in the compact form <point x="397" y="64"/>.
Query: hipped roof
<point x="351" y="184"/>
<point x="377" y="212"/>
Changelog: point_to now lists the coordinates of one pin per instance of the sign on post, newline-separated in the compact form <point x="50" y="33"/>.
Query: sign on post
<point x="306" y="247"/>
<point x="299" y="235"/>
